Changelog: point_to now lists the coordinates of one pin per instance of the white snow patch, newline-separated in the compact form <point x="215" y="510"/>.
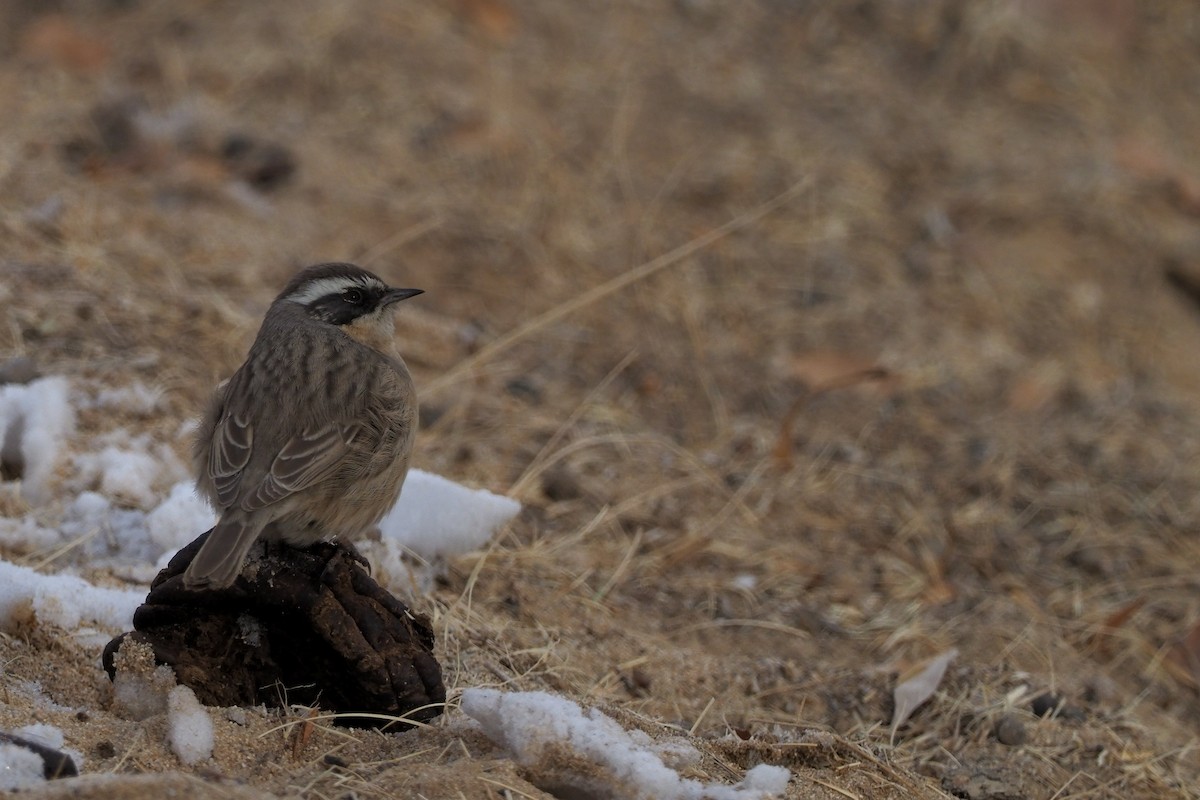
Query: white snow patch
<point x="105" y="532"/>
<point x="180" y="518"/>
<point x="35" y="419"/>
<point x="42" y="701"/>
<point x="746" y="582"/>
<point x="138" y="694"/>
<point x="20" y="768"/>
<point x="41" y="733"/>
<point x="62" y="600"/>
<point x="121" y="473"/>
<point x="90" y="505"/>
<point x="766" y="779"/>
<point x="536" y="726"/>
<point x="111" y="536"/>
<point x="27" y="535"/>
<point x="137" y="398"/>
<point x="189" y="728"/>
<point x="131" y="469"/>
<point x="436" y="517"/>
<point x="52" y="737"/>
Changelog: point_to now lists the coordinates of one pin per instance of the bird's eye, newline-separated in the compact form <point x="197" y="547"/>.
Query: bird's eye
<point x="353" y="296"/>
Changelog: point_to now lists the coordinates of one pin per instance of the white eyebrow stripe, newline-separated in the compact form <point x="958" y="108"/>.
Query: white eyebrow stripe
<point x="315" y="290"/>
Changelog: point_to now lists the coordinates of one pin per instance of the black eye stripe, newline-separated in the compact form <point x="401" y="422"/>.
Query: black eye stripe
<point x="345" y="304"/>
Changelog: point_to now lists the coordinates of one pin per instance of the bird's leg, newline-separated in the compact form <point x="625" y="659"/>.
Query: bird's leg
<point x="352" y="551"/>
<point x="330" y="551"/>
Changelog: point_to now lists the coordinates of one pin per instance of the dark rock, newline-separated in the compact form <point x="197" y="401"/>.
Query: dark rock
<point x="1010" y="730"/>
<point x="55" y="763"/>
<point x="559" y="484"/>
<point x="1049" y="704"/>
<point x="297" y="626"/>
<point x="12" y="456"/>
<point x="637" y="682"/>
<point x="429" y="415"/>
<point x="263" y="165"/>
<point x="21" y="369"/>
<point x="1045" y="704"/>
<point x="525" y="389"/>
<point x="975" y="782"/>
<point x="112" y="138"/>
<point x="115" y="127"/>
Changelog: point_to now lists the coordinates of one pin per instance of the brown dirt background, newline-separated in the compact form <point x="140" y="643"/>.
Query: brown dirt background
<point x="993" y="208"/>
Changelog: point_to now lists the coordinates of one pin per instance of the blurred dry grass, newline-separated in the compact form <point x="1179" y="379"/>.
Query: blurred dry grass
<point x="959" y="305"/>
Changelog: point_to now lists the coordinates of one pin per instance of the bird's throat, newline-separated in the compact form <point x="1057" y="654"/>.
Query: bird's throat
<point x="377" y="332"/>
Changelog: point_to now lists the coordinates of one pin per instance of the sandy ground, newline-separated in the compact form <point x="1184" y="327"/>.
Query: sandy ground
<point x="816" y="338"/>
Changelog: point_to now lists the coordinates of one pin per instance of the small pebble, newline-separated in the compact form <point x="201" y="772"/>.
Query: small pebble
<point x="524" y="389"/>
<point x="1048" y="704"/>
<point x="558" y="484"/>
<point x="1010" y="730"/>
<point x="1045" y="704"/>
<point x="637" y="682"/>
<point x="21" y="369"/>
<point x="55" y="763"/>
<point x="264" y="165"/>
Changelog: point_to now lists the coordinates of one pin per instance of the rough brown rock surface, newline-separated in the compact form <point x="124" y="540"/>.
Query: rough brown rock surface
<point x="297" y="626"/>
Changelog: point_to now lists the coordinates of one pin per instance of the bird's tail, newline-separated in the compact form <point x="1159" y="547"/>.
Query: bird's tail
<point x="220" y="559"/>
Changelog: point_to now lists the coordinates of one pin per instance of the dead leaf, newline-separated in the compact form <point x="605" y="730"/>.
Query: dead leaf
<point x="1141" y="158"/>
<point x="494" y="17"/>
<point x="912" y="691"/>
<point x="1183" y="659"/>
<point x="1109" y="25"/>
<point x="826" y="370"/>
<point x="1116" y="620"/>
<point x="54" y="38"/>
<point x="1152" y="164"/>
<point x="1037" y="388"/>
<point x="938" y="590"/>
<point x="303" y="734"/>
<point x="1122" y="615"/>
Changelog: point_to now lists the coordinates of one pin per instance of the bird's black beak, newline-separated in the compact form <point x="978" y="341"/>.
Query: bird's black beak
<point x="396" y="295"/>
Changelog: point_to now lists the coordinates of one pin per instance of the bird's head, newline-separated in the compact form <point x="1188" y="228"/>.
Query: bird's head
<point x="349" y="297"/>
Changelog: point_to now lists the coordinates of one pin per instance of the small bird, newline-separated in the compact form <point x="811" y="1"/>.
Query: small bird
<point x="310" y="439"/>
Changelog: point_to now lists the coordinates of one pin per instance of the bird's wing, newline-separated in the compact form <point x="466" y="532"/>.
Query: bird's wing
<point x="302" y="461"/>
<point x="229" y="452"/>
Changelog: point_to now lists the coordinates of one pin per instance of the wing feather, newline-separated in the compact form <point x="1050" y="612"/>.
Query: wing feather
<point x="301" y="462"/>
<point x="229" y="454"/>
